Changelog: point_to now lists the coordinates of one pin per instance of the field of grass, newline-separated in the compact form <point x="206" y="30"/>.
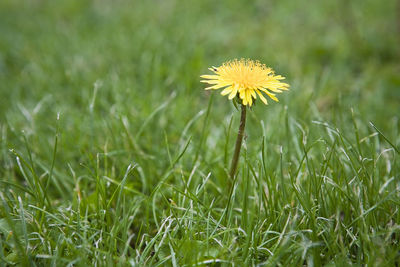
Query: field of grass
<point x="112" y="153"/>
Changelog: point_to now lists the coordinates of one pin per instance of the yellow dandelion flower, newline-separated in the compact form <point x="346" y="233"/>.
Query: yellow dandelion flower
<point x="247" y="79"/>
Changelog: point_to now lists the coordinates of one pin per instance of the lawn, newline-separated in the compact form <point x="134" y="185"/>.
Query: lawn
<point x="113" y="154"/>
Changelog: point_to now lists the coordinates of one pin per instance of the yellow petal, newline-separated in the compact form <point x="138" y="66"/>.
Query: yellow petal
<point x="253" y="93"/>
<point x="241" y="94"/>
<point x="217" y="86"/>
<point x="249" y="98"/>
<point x="233" y="93"/>
<point x="226" y="90"/>
<point x="210" y="81"/>
<point x="209" y="77"/>
<point x="272" y="96"/>
<point x="275" y="90"/>
<point x="262" y="97"/>
<point x="244" y="101"/>
<point x="279" y="77"/>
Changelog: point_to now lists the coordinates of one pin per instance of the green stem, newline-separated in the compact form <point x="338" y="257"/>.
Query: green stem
<point x="238" y="145"/>
<point x="235" y="160"/>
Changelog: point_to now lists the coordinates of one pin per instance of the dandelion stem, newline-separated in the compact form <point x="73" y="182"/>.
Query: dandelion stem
<point x="238" y="145"/>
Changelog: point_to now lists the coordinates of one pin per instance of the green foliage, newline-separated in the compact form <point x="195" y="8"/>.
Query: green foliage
<point x="112" y="154"/>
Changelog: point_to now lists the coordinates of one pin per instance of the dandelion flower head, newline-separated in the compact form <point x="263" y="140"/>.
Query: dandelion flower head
<point x="247" y="79"/>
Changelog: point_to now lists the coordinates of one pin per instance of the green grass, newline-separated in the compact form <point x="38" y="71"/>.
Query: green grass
<point x="111" y="152"/>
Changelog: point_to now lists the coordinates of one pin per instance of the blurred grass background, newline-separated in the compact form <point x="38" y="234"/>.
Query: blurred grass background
<point x="336" y="56"/>
<point x="124" y="78"/>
